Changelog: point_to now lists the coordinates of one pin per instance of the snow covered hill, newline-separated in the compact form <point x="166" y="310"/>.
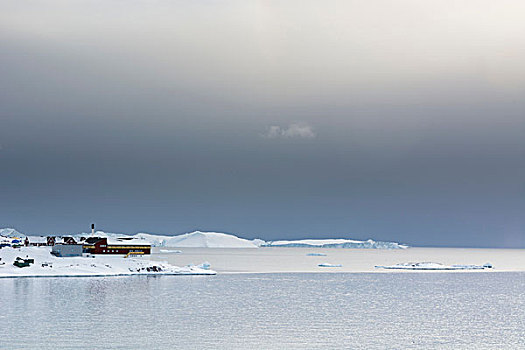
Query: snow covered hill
<point x="10" y="232"/>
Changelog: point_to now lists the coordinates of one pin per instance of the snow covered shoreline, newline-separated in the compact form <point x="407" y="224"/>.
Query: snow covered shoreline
<point x="47" y="265"/>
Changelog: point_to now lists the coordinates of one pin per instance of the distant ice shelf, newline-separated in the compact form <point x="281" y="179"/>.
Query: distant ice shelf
<point x="433" y="266"/>
<point x="336" y="243"/>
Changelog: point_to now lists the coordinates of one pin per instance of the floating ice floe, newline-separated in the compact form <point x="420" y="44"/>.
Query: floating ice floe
<point x="434" y="266"/>
<point x="170" y="251"/>
<point x="329" y="265"/>
<point x="316" y="254"/>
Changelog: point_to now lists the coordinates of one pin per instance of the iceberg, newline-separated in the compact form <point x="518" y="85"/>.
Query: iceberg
<point x="433" y="266"/>
<point x="336" y="243"/>
<point x="198" y="239"/>
<point x="316" y="254"/>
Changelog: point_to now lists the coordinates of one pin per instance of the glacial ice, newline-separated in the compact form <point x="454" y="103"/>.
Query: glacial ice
<point x="198" y="239"/>
<point x="433" y="266"/>
<point x="329" y="265"/>
<point x="336" y="243"/>
<point x="205" y="266"/>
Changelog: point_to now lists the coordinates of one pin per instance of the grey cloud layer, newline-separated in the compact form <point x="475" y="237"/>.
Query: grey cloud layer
<point x="400" y="121"/>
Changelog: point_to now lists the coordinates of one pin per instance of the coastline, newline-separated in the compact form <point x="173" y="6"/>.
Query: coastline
<point x="46" y="265"/>
<point x="265" y="260"/>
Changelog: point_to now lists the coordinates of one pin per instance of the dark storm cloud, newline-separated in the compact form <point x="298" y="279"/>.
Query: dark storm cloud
<point x="394" y="121"/>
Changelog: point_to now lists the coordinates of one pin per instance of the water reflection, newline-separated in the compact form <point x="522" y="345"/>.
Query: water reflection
<point x="271" y="311"/>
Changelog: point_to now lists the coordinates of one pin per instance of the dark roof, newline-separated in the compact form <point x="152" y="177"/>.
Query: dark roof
<point x="93" y="240"/>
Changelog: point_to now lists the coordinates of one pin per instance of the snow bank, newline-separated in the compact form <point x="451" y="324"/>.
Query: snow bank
<point x="337" y="243"/>
<point x="47" y="265"/>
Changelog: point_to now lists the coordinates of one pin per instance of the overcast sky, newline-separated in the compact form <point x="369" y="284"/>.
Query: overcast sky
<point x="392" y="120"/>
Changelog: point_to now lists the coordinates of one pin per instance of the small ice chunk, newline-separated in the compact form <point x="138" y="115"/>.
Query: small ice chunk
<point x="329" y="265"/>
<point x="205" y="265"/>
<point x="170" y="251"/>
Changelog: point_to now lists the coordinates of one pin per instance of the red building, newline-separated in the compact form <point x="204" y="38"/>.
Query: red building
<point x="51" y="240"/>
<point x="98" y="245"/>
<point x="69" y="240"/>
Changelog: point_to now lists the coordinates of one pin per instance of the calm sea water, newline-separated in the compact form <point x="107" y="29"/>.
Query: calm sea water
<point x="266" y="311"/>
